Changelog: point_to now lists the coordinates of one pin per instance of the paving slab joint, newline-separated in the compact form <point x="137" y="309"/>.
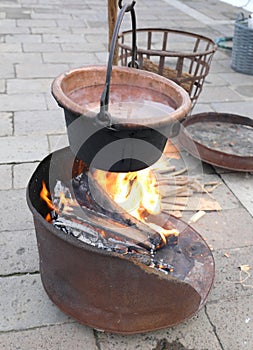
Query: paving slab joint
<point x="96" y="336"/>
<point x="18" y="274"/>
<point x="214" y="328"/>
<point x="12" y="176"/>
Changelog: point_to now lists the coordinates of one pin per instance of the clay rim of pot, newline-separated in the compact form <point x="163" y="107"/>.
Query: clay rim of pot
<point x="92" y="76"/>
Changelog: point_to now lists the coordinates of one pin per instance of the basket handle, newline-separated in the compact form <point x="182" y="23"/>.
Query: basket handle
<point x="240" y="17"/>
<point x="104" y="117"/>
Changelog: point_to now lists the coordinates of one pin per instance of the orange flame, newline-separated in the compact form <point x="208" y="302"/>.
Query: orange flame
<point x="66" y="203"/>
<point x="137" y="193"/>
<point x="45" y="195"/>
<point x="164" y="233"/>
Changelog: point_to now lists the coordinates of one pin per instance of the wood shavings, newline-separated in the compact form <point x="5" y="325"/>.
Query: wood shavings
<point x="206" y="204"/>
<point x="181" y="192"/>
<point x="244" y="275"/>
<point x="178" y="172"/>
<point x="244" y="268"/>
<point x="197" y="216"/>
<point x="166" y="170"/>
<point x="213" y="185"/>
<point x="190" y="204"/>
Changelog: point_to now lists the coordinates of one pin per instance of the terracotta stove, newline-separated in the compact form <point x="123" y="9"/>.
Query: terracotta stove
<point x="154" y="283"/>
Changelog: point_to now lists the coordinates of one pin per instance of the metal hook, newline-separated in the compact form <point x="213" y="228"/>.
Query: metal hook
<point x="104" y="117"/>
<point x="129" y="7"/>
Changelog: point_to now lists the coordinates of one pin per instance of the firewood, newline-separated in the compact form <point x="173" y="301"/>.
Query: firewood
<point x="201" y="188"/>
<point x="172" y="191"/>
<point x="97" y="220"/>
<point x="184" y="79"/>
<point x="92" y="234"/>
<point x="207" y="204"/>
<point x="105" y="201"/>
<point x="211" y="183"/>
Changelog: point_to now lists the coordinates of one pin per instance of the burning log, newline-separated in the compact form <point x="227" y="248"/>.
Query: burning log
<point x="100" y="230"/>
<point x="139" y="197"/>
<point x="129" y="233"/>
<point x="107" y="202"/>
<point x="86" y="214"/>
<point x="135" y="229"/>
<point x="92" y="234"/>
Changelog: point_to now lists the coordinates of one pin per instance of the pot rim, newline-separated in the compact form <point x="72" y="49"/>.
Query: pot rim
<point x="178" y="95"/>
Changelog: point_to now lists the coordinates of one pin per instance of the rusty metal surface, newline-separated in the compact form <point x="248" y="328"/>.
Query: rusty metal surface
<point x="211" y="155"/>
<point x="122" y="143"/>
<point x="110" y="291"/>
<point x="191" y="257"/>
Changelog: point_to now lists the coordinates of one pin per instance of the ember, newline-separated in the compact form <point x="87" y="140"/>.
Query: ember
<point x="66" y="215"/>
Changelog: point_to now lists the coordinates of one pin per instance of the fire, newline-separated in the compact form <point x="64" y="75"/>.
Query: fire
<point x="163" y="232"/>
<point x="62" y="202"/>
<point x="45" y="195"/>
<point x="137" y="193"/>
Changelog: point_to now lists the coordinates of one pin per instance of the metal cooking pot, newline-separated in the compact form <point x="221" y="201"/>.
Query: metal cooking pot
<point x="128" y="128"/>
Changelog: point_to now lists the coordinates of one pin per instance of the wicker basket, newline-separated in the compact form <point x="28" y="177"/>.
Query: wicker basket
<point x="180" y="56"/>
<point x="242" y="52"/>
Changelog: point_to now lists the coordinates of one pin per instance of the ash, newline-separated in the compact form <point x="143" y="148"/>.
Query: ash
<point x="65" y="219"/>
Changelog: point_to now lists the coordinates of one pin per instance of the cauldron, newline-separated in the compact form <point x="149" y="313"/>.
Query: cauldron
<point x="127" y="128"/>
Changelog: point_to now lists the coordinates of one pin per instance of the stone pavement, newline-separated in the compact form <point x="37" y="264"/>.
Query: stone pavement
<point x="40" y="39"/>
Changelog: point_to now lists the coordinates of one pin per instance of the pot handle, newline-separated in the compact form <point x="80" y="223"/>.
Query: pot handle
<point x="104" y="117"/>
